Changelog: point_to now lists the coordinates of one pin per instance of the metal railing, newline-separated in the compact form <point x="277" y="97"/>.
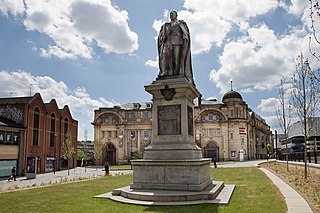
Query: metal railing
<point x="312" y="157"/>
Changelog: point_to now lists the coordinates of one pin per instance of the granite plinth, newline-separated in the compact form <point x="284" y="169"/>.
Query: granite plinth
<point x="183" y="175"/>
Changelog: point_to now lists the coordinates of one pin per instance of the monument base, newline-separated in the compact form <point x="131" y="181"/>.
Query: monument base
<point x="180" y="175"/>
<point x="216" y="193"/>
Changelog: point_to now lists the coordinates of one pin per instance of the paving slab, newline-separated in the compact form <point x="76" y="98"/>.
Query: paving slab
<point x="295" y="202"/>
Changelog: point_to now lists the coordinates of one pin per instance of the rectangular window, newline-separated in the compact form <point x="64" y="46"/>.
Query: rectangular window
<point x="51" y="139"/>
<point x="109" y="134"/>
<point x="204" y="133"/>
<point x="203" y="118"/>
<point x="231" y="135"/>
<point x="240" y="113"/>
<point x="214" y="132"/>
<point x="35" y="137"/>
<point x="115" y="134"/>
<point x="109" y="119"/>
<point x="233" y="154"/>
<point x="132" y="135"/>
<point x="52" y="130"/>
<point x="103" y="134"/>
<point x="133" y="116"/>
<point x="210" y="117"/>
<point x="210" y="132"/>
<point x="36" y="119"/>
<point x="146" y="135"/>
<point x="145" y="116"/>
<point x="65" y="126"/>
<point x="218" y="132"/>
<point x="242" y="141"/>
<point x="231" y="113"/>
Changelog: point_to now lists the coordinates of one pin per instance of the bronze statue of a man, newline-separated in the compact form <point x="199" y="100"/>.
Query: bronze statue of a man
<point x="174" y="49"/>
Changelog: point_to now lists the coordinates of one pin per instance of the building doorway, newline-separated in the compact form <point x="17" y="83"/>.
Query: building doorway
<point x="110" y="154"/>
<point x="212" y="151"/>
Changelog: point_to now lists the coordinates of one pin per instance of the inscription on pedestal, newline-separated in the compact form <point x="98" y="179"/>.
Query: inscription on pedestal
<point x="169" y="120"/>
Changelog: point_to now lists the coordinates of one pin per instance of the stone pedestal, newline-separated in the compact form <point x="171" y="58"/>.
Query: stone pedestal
<point x="173" y="161"/>
<point x="176" y="175"/>
<point x="172" y="124"/>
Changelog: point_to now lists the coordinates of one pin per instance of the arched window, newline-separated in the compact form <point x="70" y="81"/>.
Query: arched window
<point x="65" y="126"/>
<point x="52" y="129"/>
<point x="36" y="120"/>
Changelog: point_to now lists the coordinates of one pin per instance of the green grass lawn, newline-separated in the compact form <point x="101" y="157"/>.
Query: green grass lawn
<point x="254" y="193"/>
<point x="120" y="167"/>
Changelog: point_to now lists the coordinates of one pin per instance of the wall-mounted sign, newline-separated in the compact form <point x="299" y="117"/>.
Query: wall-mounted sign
<point x="8" y="137"/>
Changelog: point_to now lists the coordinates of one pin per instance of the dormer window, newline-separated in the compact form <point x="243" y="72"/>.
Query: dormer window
<point x="148" y="105"/>
<point x="136" y="106"/>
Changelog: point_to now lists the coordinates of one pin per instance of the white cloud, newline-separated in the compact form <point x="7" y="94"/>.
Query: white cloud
<point x="76" y="26"/>
<point x="210" y="21"/>
<point x="14" y="7"/>
<point x="151" y="63"/>
<point x="247" y="90"/>
<point x="269" y="105"/>
<point x="19" y="83"/>
<point x="235" y="11"/>
<point x="257" y="60"/>
<point x="297" y="7"/>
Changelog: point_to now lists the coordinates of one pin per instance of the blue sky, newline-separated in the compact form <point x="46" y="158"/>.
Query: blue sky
<point x="99" y="53"/>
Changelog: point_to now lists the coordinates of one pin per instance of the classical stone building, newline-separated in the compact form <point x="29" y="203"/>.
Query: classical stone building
<point x="121" y="130"/>
<point x="31" y="130"/>
<point x="222" y="129"/>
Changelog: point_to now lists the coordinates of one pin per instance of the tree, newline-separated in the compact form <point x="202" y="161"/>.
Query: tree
<point x="269" y="148"/>
<point x="98" y="147"/>
<point x="305" y="99"/>
<point x="137" y="154"/>
<point x="81" y="154"/>
<point x="284" y="116"/>
<point x="68" y="149"/>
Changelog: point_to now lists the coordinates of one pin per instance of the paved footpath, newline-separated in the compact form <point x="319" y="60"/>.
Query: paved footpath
<point x="59" y="177"/>
<point x="295" y="202"/>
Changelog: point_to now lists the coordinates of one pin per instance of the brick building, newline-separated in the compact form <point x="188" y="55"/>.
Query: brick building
<point x="223" y="129"/>
<point x="37" y="131"/>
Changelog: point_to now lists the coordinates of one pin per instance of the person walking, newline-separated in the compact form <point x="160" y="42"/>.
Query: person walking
<point x="13" y="174"/>
<point x="106" y="168"/>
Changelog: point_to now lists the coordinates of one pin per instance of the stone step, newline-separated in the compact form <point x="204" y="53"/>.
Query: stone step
<point x="209" y="193"/>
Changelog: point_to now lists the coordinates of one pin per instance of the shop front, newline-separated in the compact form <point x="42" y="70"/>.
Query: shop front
<point x="9" y="152"/>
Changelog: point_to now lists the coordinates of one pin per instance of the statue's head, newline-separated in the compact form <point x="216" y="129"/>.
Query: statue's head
<point x="173" y="15"/>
